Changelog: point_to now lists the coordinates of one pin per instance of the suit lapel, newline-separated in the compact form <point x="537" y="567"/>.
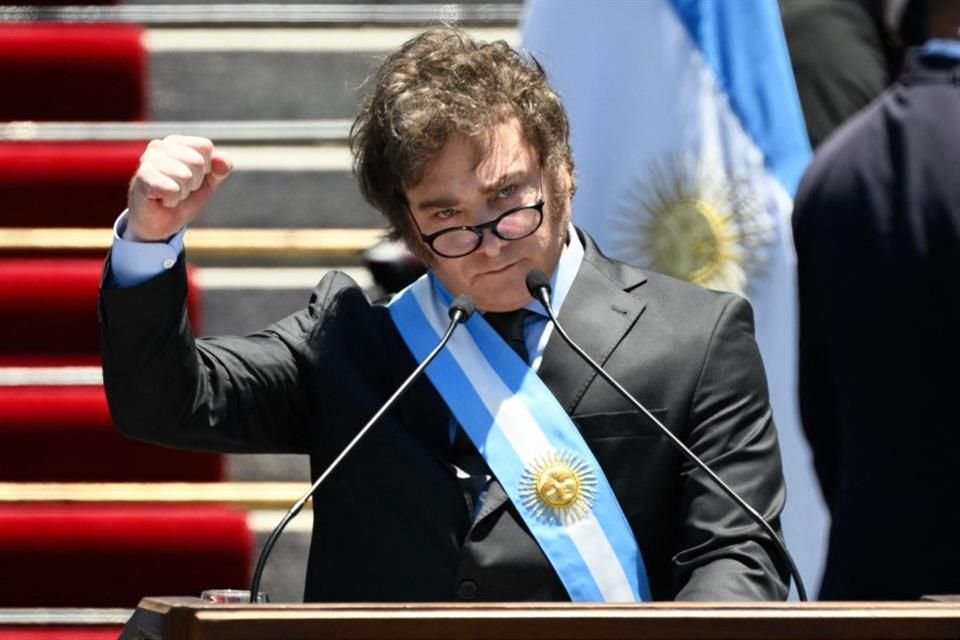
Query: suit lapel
<point x="597" y="313"/>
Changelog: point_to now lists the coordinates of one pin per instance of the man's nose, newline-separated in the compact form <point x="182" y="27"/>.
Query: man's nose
<point x="492" y="243"/>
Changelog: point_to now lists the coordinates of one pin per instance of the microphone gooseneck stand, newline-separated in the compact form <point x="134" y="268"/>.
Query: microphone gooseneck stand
<point x="460" y="311"/>
<point x="539" y="287"/>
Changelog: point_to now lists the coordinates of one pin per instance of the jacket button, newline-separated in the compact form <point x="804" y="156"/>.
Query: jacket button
<point x="467" y="590"/>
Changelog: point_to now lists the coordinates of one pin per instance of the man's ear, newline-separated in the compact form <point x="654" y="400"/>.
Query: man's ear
<point x="563" y="183"/>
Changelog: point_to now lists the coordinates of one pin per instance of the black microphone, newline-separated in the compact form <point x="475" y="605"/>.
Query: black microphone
<point x="539" y="287"/>
<point x="460" y="311"/>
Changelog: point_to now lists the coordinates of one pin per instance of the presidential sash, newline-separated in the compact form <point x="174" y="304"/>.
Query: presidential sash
<point x="531" y="445"/>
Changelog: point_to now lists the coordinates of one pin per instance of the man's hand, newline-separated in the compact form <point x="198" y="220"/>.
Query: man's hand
<point x="176" y="178"/>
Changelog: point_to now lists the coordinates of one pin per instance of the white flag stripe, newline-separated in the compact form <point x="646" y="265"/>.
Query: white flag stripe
<point x="594" y="546"/>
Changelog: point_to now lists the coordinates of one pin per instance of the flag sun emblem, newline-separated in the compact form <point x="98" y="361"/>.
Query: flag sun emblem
<point x="558" y="487"/>
<point x="696" y="225"/>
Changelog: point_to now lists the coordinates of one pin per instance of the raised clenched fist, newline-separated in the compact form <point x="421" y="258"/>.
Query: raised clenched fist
<point x="176" y="178"/>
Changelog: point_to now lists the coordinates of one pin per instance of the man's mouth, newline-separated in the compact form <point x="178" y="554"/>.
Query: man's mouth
<point x="497" y="270"/>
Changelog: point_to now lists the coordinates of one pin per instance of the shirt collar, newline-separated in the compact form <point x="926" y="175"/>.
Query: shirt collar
<point x="570" y="258"/>
<point x="942" y="48"/>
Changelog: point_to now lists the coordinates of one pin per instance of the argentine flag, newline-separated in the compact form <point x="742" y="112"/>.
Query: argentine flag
<point x="689" y="142"/>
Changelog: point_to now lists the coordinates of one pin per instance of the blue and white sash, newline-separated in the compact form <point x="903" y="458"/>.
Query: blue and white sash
<point x="532" y="447"/>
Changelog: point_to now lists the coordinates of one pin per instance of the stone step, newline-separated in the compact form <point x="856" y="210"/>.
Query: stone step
<point x="322" y="12"/>
<point x="201" y="66"/>
<point x="273" y="73"/>
<point x="277" y="185"/>
<point x="290" y="187"/>
<point x="342" y="5"/>
<point x="236" y="132"/>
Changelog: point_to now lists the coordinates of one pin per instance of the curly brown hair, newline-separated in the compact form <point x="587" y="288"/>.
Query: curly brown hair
<point x="440" y="83"/>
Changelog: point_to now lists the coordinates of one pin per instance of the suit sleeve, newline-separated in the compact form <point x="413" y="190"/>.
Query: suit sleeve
<point x="225" y="394"/>
<point x="723" y="554"/>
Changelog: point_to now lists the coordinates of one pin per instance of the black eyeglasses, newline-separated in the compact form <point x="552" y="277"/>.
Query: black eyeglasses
<point x="512" y="224"/>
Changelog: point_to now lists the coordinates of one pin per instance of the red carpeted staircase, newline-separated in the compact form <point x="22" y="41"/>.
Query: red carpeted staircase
<point x="61" y="554"/>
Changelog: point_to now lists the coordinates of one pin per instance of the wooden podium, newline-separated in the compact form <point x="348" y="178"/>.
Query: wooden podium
<point x="192" y="619"/>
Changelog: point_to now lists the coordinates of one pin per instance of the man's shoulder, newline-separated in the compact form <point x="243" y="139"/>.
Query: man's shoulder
<point x="686" y="304"/>
<point x="338" y="308"/>
<point x="668" y="296"/>
<point x="862" y="131"/>
<point x="858" y="150"/>
<point x="333" y="284"/>
<point x="338" y="296"/>
<point x="924" y="93"/>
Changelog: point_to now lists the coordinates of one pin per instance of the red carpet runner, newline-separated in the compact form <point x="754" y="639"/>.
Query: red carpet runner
<point x="65" y="434"/>
<point x="72" y="72"/>
<point x="65" y="184"/>
<point x="49" y="311"/>
<point x="112" y="555"/>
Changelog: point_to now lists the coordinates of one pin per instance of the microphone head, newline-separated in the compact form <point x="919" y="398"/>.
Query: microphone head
<point x="463" y="305"/>
<point x="536" y="281"/>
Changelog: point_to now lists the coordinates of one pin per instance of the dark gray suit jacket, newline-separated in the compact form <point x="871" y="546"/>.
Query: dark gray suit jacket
<point x="391" y="524"/>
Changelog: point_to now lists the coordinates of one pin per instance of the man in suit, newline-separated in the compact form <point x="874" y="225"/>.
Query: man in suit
<point x="839" y="53"/>
<point x="463" y="146"/>
<point x="844" y="53"/>
<point x="877" y="230"/>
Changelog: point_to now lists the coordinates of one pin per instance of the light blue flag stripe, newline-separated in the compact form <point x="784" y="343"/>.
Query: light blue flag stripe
<point x="743" y="44"/>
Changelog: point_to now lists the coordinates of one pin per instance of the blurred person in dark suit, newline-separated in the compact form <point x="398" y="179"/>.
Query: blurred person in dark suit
<point x="877" y="231"/>
<point x="844" y="53"/>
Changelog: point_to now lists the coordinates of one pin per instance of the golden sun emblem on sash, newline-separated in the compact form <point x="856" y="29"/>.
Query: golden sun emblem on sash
<point x="694" y="224"/>
<point x="558" y="487"/>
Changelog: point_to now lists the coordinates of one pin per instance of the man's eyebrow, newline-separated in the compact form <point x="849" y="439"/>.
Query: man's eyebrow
<point x="509" y="176"/>
<point x="444" y="202"/>
<point x="440" y="202"/>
